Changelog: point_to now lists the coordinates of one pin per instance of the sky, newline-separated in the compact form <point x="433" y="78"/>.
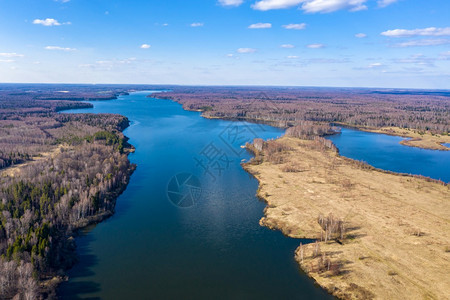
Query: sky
<point x="350" y="43"/>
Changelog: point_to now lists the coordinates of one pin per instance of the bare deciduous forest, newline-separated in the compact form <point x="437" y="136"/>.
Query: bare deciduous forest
<point x="415" y="109"/>
<point x="71" y="169"/>
<point x="61" y="172"/>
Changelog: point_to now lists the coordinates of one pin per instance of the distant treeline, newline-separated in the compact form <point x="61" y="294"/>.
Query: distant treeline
<point x="416" y="109"/>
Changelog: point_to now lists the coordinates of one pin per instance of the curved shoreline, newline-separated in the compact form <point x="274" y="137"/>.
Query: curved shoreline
<point x="412" y="137"/>
<point x="295" y="276"/>
<point x="51" y="285"/>
<point x="280" y="223"/>
<point x="293" y="209"/>
<point x="283" y="229"/>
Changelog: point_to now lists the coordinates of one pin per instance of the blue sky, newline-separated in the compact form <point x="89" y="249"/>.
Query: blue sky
<point x="367" y="43"/>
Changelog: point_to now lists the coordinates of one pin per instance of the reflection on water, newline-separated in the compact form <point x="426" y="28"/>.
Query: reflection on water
<point x="214" y="248"/>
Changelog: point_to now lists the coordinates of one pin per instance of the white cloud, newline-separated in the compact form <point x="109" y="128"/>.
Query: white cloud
<point x="231" y="2"/>
<point x="145" y="46"/>
<point x="59" y="48"/>
<point x="260" y="26"/>
<point x="360" y="35"/>
<point x="287" y="46"/>
<point x="197" y="25"/>
<point x="426" y="42"/>
<point x="315" y="46"/>
<point x="275" y="4"/>
<point x="444" y="56"/>
<point x="46" y="22"/>
<point x="11" y="55"/>
<point x="295" y="26"/>
<point x="327" y="6"/>
<point x="109" y="64"/>
<point x="312" y="6"/>
<point x="116" y="61"/>
<point x="63" y="1"/>
<point x="246" y="50"/>
<point x="375" y="65"/>
<point x="384" y="3"/>
<point x="416" y="59"/>
<point x="230" y="55"/>
<point x="430" y="31"/>
<point x="86" y="66"/>
<point x="7" y="60"/>
<point x="292" y="57"/>
<point x="327" y="61"/>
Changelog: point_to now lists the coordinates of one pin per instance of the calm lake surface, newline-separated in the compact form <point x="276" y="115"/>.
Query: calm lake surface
<point x="386" y="152"/>
<point x="192" y="236"/>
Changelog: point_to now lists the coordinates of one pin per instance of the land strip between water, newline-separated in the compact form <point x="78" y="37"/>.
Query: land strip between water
<point x="380" y="235"/>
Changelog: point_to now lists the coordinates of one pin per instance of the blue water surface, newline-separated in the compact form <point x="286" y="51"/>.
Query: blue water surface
<point x="214" y="249"/>
<point x="385" y="152"/>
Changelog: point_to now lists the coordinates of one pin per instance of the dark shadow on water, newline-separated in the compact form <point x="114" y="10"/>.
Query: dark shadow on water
<point x="122" y="202"/>
<point x="74" y="289"/>
<point x="86" y="260"/>
<point x="216" y="250"/>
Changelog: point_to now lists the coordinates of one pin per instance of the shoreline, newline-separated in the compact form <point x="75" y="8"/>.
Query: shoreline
<point x="53" y="283"/>
<point x="262" y="223"/>
<point x="352" y="290"/>
<point x="412" y="137"/>
<point x="285" y="211"/>
<point x="49" y="283"/>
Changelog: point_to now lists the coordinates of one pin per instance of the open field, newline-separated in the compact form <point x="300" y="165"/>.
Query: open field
<point x="14" y="171"/>
<point x="395" y="241"/>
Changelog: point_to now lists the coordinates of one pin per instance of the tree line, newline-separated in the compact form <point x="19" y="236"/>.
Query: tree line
<point x="43" y="204"/>
<point x="285" y="107"/>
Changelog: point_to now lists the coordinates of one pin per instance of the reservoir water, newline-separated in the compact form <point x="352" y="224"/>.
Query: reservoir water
<point x="187" y="225"/>
<point x="385" y="152"/>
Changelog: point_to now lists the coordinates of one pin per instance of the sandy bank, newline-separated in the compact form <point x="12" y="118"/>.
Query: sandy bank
<point x="396" y="242"/>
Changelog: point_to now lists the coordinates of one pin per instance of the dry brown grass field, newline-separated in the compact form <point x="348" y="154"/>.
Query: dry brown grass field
<point x="14" y="171"/>
<point x="396" y="238"/>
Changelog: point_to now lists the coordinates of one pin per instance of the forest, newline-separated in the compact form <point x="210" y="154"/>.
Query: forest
<point x="60" y="172"/>
<point x="427" y="111"/>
